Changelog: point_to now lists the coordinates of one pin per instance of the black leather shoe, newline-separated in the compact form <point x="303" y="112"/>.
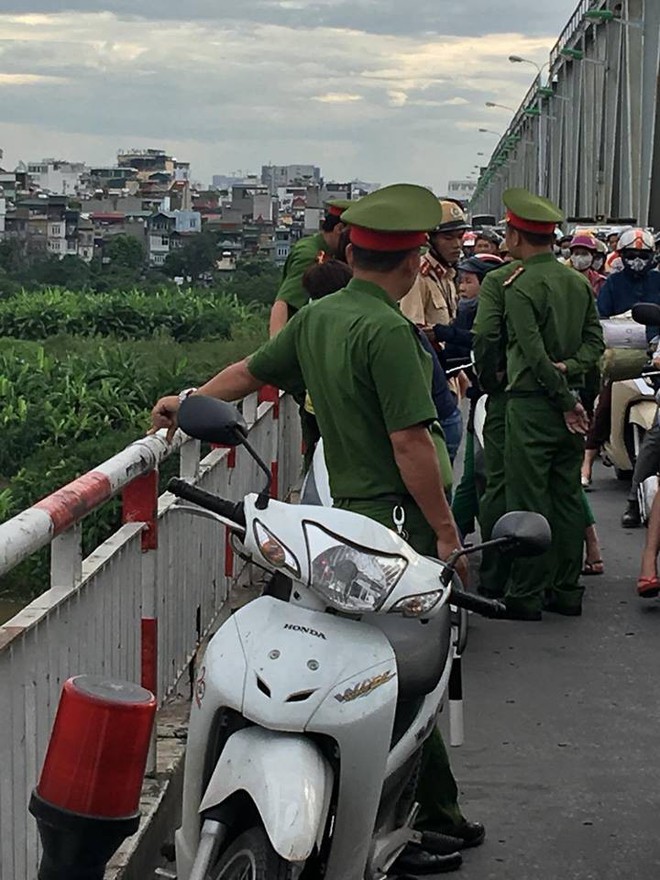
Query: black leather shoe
<point x="414" y="860"/>
<point x="631" y="518"/>
<point x="471" y="833"/>
<point x="564" y="610"/>
<point x="439" y="844"/>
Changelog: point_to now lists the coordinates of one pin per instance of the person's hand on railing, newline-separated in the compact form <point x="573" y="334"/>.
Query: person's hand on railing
<point x="164" y="415"/>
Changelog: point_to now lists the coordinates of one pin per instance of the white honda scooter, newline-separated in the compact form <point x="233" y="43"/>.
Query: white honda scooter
<point x="634" y="407"/>
<point x="648" y="314"/>
<point x="311" y="709"/>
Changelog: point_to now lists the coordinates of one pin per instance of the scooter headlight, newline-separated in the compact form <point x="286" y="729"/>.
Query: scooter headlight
<point x="348" y="577"/>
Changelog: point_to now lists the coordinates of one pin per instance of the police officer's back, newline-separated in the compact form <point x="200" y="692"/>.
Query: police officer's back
<point x="554" y="339"/>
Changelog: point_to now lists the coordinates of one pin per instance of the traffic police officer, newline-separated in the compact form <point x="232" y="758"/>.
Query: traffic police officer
<point x="291" y="295"/>
<point x="434" y="296"/>
<point x="554" y="338"/>
<point x="370" y="380"/>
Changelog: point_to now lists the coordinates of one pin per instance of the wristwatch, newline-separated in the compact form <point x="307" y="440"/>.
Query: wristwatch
<point x="184" y="395"/>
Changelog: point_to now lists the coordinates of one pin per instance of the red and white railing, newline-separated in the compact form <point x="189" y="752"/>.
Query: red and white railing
<point x="136" y="608"/>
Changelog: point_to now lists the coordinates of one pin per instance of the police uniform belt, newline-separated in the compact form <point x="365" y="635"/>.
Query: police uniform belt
<point x="540" y="392"/>
<point x="390" y="498"/>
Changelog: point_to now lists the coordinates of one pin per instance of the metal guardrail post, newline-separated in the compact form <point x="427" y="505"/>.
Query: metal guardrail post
<point x="250" y="406"/>
<point x="140" y="505"/>
<point x="66" y="559"/>
<point x="270" y="394"/>
<point x="189" y="460"/>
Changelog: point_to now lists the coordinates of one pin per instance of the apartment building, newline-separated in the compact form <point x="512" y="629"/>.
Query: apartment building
<point x="167" y="230"/>
<point x="57" y="176"/>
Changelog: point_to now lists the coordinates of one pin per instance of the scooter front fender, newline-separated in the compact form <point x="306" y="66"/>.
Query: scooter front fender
<point x="287" y="778"/>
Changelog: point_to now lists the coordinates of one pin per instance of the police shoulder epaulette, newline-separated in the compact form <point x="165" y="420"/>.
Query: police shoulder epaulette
<point x="509" y="281"/>
<point x="425" y="268"/>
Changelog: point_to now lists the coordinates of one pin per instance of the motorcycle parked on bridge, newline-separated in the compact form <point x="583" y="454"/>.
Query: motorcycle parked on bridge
<point x="633" y="400"/>
<point x="312" y="706"/>
<point x="316" y="491"/>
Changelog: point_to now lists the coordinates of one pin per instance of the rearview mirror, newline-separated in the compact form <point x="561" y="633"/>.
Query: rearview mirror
<point x="214" y="421"/>
<point x="647" y="314"/>
<point x="523" y="533"/>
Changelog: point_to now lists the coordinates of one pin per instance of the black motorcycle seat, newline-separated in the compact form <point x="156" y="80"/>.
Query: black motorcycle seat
<point x="421" y="649"/>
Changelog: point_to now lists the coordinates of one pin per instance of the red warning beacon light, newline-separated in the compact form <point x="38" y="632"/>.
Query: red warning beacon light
<point x="87" y="799"/>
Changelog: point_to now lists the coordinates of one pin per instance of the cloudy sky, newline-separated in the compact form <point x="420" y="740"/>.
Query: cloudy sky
<point x="382" y="90"/>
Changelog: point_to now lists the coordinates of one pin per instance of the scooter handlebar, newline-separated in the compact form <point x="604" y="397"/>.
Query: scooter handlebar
<point x="232" y="510"/>
<point x="485" y="607"/>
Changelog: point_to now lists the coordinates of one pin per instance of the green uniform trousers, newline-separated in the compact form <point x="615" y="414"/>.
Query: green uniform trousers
<point x="543" y="475"/>
<point x="494" y="570"/>
<point x="437" y="791"/>
<point x="465" y="505"/>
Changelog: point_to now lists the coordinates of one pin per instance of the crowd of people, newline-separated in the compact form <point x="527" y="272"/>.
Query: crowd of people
<point x="397" y="320"/>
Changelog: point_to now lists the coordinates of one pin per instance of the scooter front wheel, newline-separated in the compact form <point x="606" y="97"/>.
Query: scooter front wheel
<point x="251" y="857"/>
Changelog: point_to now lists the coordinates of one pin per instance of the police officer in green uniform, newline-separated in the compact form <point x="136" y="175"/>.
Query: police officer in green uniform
<point x="554" y="338"/>
<point x="490" y="360"/>
<point x="291" y="295"/>
<point x="370" y="380"/>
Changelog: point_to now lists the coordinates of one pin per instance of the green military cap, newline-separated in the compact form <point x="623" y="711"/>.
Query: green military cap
<point x="336" y="207"/>
<point x="395" y="218"/>
<point x="531" y="213"/>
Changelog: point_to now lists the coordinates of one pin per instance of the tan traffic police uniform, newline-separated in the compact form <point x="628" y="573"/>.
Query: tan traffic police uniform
<point x="434" y="296"/>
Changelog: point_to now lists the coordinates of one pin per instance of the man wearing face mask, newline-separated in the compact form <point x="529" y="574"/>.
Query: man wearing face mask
<point x="584" y="249"/>
<point x="637" y="282"/>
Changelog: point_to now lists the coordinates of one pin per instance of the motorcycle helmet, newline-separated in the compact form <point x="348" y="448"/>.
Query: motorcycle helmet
<point x="490" y="235"/>
<point x="636" y="239"/>
<point x="637" y="250"/>
<point x="480" y="265"/>
<point x="583" y="241"/>
<point x="453" y="218"/>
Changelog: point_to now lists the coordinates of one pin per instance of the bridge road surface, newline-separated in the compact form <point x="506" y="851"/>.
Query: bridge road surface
<point x="562" y="744"/>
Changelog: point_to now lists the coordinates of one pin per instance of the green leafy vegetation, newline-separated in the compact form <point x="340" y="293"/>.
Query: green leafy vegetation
<point x="72" y="399"/>
<point x="70" y="403"/>
<point x="87" y="348"/>
<point x="186" y="315"/>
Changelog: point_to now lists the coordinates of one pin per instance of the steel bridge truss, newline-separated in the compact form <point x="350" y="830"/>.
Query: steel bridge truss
<point x="588" y="136"/>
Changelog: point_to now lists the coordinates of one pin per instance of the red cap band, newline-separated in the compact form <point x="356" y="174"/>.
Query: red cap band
<point x="335" y="210"/>
<point x="373" y="240"/>
<point x="542" y="228"/>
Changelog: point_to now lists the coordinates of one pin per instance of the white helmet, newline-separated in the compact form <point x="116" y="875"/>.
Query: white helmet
<point x="637" y="240"/>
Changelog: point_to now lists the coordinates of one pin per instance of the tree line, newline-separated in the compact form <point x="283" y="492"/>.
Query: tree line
<point x="123" y="267"/>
